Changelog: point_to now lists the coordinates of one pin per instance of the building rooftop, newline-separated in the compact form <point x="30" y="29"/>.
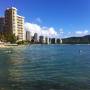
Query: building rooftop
<point x="11" y="8"/>
<point x="20" y="16"/>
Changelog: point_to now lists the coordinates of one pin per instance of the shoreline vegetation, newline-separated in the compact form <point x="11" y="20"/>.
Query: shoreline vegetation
<point x="9" y="40"/>
<point x="16" y="45"/>
<point x="77" y="40"/>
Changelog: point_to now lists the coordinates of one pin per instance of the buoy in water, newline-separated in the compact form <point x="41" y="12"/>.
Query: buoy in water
<point x="80" y="51"/>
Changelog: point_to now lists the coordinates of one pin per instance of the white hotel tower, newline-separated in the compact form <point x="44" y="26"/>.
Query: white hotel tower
<point x="14" y="23"/>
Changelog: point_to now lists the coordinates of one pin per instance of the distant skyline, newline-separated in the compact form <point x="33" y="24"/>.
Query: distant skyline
<point x="54" y="18"/>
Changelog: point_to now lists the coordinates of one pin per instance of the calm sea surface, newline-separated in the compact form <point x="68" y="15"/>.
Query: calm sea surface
<point x="45" y="67"/>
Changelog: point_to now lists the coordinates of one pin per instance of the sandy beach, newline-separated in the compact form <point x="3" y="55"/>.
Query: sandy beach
<point x="6" y="45"/>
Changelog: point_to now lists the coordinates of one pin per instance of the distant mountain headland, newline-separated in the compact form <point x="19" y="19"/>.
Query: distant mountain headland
<point x="77" y="40"/>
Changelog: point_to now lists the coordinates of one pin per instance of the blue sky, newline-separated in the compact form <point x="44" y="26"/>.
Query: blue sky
<point x="71" y="17"/>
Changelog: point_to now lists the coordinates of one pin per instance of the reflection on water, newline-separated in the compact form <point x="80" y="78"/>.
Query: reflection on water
<point x="10" y="71"/>
<point x="47" y="67"/>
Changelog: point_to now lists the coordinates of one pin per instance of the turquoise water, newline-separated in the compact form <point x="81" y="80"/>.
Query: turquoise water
<point x="45" y="67"/>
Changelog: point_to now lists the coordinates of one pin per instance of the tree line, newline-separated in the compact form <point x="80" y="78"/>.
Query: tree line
<point x="77" y="40"/>
<point x="8" y="37"/>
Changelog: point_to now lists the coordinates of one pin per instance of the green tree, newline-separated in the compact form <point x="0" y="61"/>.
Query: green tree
<point x="9" y="37"/>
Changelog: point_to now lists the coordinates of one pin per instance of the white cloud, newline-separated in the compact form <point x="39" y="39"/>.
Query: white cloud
<point x="61" y="31"/>
<point x="81" y="33"/>
<point x="52" y="32"/>
<point x="38" y="20"/>
<point x="45" y="31"/>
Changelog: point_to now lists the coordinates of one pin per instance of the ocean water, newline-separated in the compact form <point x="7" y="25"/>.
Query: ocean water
<point x="45" y="67"/>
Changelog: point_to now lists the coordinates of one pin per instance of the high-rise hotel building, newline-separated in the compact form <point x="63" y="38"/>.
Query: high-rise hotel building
<point x="28" y="36"/>
<point x="2" y="22"/>
<point x="20" y="28"/>
<point x="14" y="23"/>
